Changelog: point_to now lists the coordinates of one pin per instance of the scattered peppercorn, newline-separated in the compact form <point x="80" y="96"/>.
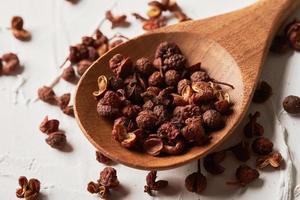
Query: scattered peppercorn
<point x="11" y="64"/>
<point x="102" y="158"/>
<point x="57" y="140"/>
<point x="274" y="160"/>
<point x="252" y="128"/>
<point x="153" y="184"/>
<point x="262" y="146"/>
<point x="47" y="95"/>
<point x="291" y="104"/>
<point x="18" y="30"/>
<point x="212" y="161"/>
<point x="117" y="21"/>
<point x="262" y="92"/>
<point x="49" y="126"/>
<point x="196" y="182"/>
<point x="29" y="189"/>
<point x="245" y="175"/>
<point x="69" y="74"/>
<point x="107" y="180"/>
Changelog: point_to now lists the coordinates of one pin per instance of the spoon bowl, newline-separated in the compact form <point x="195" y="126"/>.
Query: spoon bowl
<point x="227" y="49"/>
<point x="214" y="58"/>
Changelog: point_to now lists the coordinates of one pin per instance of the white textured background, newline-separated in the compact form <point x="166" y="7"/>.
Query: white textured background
<point x="56" y="24"/>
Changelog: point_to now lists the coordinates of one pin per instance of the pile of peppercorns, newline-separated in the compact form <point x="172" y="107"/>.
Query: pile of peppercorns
<point x="84" y="54"/>
<point x="164" y="105"/>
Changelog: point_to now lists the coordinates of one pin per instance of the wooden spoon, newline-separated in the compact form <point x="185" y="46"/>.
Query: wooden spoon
<point x="232" y="47"/>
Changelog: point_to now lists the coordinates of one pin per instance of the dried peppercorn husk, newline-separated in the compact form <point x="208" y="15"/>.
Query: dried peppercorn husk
<point x="102" y="158"/>
<point x="102" y="86"/>
<point x="212" y="161"/>
<point x="29" y="189"/>
<point x="274" y="160"/>
<point x="117" y="21"/>
<point x="127" y="139"/>
<point x="152" y="184"/>
<point x="252" y="128"/>
<point x="69" y="110"/>
<point x="196" y="182"/>
<point x="153" y="146"/>
<point x="17" y="29"/>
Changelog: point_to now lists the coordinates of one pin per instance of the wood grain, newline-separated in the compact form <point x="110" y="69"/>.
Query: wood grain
<point x="232" y="47"/>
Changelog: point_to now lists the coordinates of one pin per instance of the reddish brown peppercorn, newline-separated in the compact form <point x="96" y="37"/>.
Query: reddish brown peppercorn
<point x="144" y="66"/>
<point x="168" y="130"/>
<point x="212" y="162"/>
<point x="18" y="31"/>
<point x="108" y="177"/>
<point x="199" y="76"/>
<point x="69" y="74"/>
<point x="29" y="189"/>
<point x="262" y="92"/>
<point x="155" y="79"/>
<point x="48" y="126"/>
<point x="172" y="77"/>
<point x="11" y="64"/>
<point x="152" y="184"/>
<point x="213" y="119"/>
<point x="146" y="120"/>
<point x="291" y="104"/>
<point x="57" y="140"/>
<point x="245" y="175"/>
<point x="102" y="158"/>
<point x="196" y="182"/>
<point x="82" y="66"/>
<point x="252" y="128"/>
<point x="262" y="146"/>
<point x="194" y="132"/>
<point x="47" y="95"/>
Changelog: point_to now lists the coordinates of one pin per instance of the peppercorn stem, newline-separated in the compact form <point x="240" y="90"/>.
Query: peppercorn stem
<point x="199" y="166"/>
<point x="118" y="35"/>
<point x="222" y="83"/>
<point x="65" y="61"/>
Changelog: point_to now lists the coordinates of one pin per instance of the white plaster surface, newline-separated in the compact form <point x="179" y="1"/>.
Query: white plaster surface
<point x="56" y="24"/>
